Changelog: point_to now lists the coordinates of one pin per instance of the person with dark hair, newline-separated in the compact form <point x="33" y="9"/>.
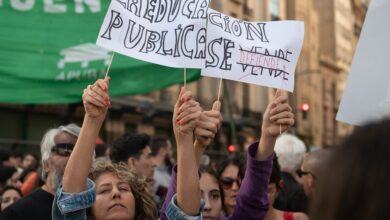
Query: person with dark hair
<point x="30" y="161"/>
<point x="273" y="190"/>
<point x="252" y="197"/>
<point x="108" y="190"/>
<point x="134" y="150"/>
<point x="9" y="195"/>
<point x="231" y="172"/>
<point x="9" y="176"/>
<point x="56" y="146"/>
<point x="354" y="181"/>
<point x="159" y="147"/>
<point x="6" y="158"/>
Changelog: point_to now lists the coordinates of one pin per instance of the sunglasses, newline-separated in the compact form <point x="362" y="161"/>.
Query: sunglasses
<point x="63" y="150"/>
<point x="303" y="173"/>
<point x="227" y="182"/>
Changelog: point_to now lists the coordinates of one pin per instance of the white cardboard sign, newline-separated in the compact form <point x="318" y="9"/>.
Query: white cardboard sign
<point x="367" y="93"/>
<point x="261" y="53"/>
<point x="167" y="32"/>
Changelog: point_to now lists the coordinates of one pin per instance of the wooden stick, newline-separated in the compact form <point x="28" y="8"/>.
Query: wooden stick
<point x="109" y="65"/>
<point x="185" y="77"/>
<point x="219" y="88"/>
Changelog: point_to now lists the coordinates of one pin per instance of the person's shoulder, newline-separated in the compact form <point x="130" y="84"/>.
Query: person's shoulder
<point x="300" y="216"/>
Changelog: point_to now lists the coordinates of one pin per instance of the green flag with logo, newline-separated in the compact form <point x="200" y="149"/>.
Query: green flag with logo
<point x="48" y="54"/>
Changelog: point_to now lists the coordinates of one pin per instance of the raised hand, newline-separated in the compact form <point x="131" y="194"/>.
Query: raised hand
<point x="278" y="116"/>
<point x="95" y="98"/>
<point x="186" y="114"/>
<point x="208" y="125"/>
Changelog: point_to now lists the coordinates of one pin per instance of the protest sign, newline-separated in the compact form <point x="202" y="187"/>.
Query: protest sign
<point x="167" y="32"/>
<point x="262" y="53"/>
<point x="367" y="93"/>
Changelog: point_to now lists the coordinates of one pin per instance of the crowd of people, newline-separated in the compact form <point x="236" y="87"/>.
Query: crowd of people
<point x="139" y="177"/>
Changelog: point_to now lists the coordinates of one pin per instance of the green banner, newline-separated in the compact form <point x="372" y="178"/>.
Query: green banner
<point x="48" y="54"/>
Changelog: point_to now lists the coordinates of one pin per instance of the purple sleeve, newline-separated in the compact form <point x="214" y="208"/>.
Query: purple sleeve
<point x="252" y="199"/>
<point x="171" y="192"/>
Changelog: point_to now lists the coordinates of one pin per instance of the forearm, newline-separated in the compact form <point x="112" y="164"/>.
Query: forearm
<point x="188" y="190"/>
<point x="266" y="147"/>
<point x="79" y="164"/>
<point x="199" y="150"/>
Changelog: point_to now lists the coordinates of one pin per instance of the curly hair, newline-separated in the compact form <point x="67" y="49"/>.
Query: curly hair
<point x="145" y="208"/>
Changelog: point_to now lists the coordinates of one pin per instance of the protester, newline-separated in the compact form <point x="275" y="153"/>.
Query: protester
<point x="30" y="161"/>
<point x="112" y="191"/>
<point x="231" y="172"/>
<point x="252" y="197"/>
<point x="9" y="176"/>
<point x="273" y="189"/>
<point x="159" y="147"/>
<point x="291" y="196"/>
<point x="310" y="169"/>
<point x="56" y="146"/>
<point x="9" y="195"/>
<point x="134" y="150"/>
<point x="6" y="158"/>
<point x="355" y="179"/>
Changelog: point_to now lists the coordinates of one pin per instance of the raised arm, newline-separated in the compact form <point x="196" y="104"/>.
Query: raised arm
<point x="278" y="117"/>
<point x="185" y="117"/>
<point x="252" y="201"/>
<point x="96" y="102"/>
<point x="208" y="125"/>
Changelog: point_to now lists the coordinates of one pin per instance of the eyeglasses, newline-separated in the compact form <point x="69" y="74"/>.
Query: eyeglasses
<point x="63" y="150"/>
<point x="227" y="182"/>
<point x="303" y="173"/>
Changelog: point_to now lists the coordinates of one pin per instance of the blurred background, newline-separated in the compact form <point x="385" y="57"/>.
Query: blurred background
<point x="332" y="30"/>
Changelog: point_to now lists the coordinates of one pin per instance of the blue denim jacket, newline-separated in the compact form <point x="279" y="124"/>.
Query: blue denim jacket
<point x="175" y="213"/>
<point x="72" y="206"/>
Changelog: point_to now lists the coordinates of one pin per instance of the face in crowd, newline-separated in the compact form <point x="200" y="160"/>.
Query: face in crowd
<point x="55" y="166"/>
<point x="114" y="198"/>
<point x="231" y="182"/>
<point x="9" y="196"/>
<point x="120" y="194"/>
<point x="211" y="195"/>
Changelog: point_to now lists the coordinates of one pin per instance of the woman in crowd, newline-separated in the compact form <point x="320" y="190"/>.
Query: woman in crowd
<point x="231" y="172"/>
<point x="9" y="195"/>
<point x="112" y="191"/>
<point x="251" y="200"/>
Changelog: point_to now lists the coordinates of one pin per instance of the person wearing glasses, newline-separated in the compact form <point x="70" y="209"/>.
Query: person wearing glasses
<point x="231" y="172"/>
<point x="56" y="146"/>
<point x="251" y="201"/>
<point x="310" y="167"/>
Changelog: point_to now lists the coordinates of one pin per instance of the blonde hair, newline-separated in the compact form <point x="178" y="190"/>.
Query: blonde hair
<point x="145" y="208"/>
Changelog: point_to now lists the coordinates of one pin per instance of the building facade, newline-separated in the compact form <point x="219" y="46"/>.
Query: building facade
<point x="332" y="29"/>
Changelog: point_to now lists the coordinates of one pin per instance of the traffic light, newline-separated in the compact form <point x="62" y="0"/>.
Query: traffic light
<point x="231" y="148"/>
<point x="305" y="107"/>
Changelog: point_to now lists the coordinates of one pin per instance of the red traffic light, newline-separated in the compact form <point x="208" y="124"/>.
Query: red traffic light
<point x="305" y="107"/>
<point x="231" y="148"/>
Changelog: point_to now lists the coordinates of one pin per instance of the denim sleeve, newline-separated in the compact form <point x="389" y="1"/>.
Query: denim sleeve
<point x="73" y="205"/>
<point x="175" y="213"/>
